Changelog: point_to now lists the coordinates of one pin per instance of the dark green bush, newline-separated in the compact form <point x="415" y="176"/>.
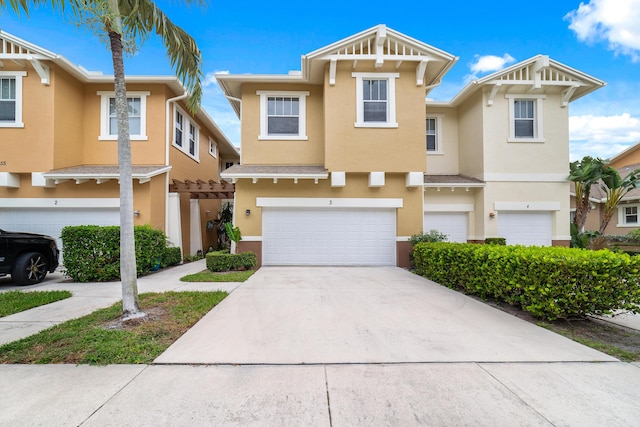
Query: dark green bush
<point x="501" y="241"/>
<point x="549" y="282"/>
<point x="92" y="253"/>
<point x="224" y="261"/>
<point x="172" y="256"/>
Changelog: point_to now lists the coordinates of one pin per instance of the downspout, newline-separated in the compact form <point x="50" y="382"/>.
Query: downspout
<point x="233" y="218"/>
<point x="166" y="156"/>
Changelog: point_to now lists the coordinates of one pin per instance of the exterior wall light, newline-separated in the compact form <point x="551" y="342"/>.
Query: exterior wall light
<point x="136" y="213"/>
<point x="247" y="212"/>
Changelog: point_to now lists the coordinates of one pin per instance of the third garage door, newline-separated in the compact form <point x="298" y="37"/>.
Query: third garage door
<point x="525" y="228"/>
<point x="325" y="236"/>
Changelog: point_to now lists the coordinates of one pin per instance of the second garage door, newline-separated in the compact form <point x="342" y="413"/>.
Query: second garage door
<point x="453" y="224"/>
<point x="338" y="236"/>
<point x="525" y="228"/>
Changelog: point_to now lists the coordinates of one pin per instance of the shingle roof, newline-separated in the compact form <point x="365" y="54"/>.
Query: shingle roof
<point x="461" y="180"/>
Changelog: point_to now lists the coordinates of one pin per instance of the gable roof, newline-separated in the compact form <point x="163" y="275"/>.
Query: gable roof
<point x="377" y="44"/>
<point x="621" y="155"/>
<point x="538" y="74"/>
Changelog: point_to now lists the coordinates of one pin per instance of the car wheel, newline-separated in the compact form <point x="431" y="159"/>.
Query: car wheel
<point x="30" y="268"/>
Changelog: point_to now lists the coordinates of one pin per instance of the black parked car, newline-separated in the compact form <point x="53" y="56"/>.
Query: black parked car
<point x="27" y="257"/>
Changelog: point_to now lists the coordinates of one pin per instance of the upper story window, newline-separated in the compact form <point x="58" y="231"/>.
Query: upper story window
<point x="213" y="148"/>
<point x="434" y="134"/>
<point x="283" y="115"/>
<point x="11" y="98"/>
<point x="137" y="109"/>
<point x="179" y="129"/>
<point x="628" y="216"/>
<point x="376" y="99"/>
<point x="525" y="118"/>
<point x="186" y="133"/>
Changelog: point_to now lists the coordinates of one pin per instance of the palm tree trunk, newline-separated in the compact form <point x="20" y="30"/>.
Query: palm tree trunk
<point x="130" y="305"/>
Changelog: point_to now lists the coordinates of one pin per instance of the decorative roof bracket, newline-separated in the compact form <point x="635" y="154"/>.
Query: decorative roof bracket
<point x="332" y="71"/>
<point x="42" y="70"/>
<point x="494" y="90"/>
<point x="540" y="64"/>
<point x="420" y="70"/>
<point x="381" y="36"/>
<point x="567" y="94"/>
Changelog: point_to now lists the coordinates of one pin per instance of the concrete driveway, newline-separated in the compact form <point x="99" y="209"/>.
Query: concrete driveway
<point x="336" y="315"/>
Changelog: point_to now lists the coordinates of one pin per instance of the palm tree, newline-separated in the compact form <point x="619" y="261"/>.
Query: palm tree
<point x="584" y="173"/>
<point x="615" y="187"/>
<point x="134" y="20"/>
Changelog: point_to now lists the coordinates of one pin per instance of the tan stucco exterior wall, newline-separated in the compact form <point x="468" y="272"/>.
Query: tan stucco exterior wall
<point x="471" y="139"/>
<point x="354" y="149"/>
<point x="445" y="163"/>
<point x="282" y="152"/>
<point x="409" y="217"/>
<point x="67" y="143"/>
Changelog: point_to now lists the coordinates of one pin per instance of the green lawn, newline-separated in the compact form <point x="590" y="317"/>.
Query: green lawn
<point x="100" y="339"/>
<point x="210" y="276"/>
<point x="16" y="301"/>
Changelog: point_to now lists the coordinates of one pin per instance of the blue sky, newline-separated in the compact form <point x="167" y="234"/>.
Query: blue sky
<point x="598" y="37"/>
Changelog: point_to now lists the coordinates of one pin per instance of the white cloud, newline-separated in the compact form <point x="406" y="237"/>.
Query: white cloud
<point x="486" y="64"/>
<point x="602" y="136"/>
<point x="613" y="21"/>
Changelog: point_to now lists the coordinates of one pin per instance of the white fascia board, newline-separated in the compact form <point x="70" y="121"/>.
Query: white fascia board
<point x="526" y="206"/>
<point x="449" y="207"/>
<point x="317" y="202"/>
<point x="61" y="203"/>
<point x="455" y="185"/>
<point x="273" y="175"/>
<point x="105" y="176"/>
<point x="525" y="177"/>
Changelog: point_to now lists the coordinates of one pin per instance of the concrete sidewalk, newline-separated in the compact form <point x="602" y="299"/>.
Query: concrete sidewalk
<point x="88" y="297"/>
<point x="431" y="394"/>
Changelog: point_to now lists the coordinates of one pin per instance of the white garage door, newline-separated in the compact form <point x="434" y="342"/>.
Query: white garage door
<point x="349" y="236"/>
<point x="453" y="224"/>
<point x="50" y="221"/>
<point x="525" y="228"/>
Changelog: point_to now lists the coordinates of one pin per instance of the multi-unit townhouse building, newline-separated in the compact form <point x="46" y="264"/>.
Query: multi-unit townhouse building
<point x="345" y="159"/>
<point x="58" y="150"/>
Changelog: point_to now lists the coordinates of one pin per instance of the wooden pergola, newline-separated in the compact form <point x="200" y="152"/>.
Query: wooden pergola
<point x="204" y="189"/>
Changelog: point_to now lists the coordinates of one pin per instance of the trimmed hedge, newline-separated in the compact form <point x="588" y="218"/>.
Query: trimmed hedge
<point x="495" y="241"/>
<point x="92" y="252"/>
<point x="224" y="261"/>
<point x="548" y="282"/>
<point x="171" y="256"/>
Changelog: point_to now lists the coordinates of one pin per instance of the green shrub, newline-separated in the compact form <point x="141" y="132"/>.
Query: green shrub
<point x="171" y="256"/>
<point x="92" y="252"/>
<point x="224" y="261"/>
<point x="549" y="282"/>
<point x="431" y="236"/>
<point x="500" y="241"/>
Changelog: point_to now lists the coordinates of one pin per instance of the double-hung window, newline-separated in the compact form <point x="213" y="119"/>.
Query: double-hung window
<point x="375" y="99"/>
<point x="434" y="134"/>
<point x="283" y="115"/>
<point x="136" y="108"/>
<point x="525" y="118"/>
<point x="186" y="133"/>
<point x="11" y="98"/>
<point x="213" y="148"/>
<point x="628" y="216"/>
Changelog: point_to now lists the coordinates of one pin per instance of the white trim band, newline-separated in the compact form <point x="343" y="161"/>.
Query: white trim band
<point x="317" y="202"/>
<point x="61" y="203"/>
<point x="526" y="206"/>
<point x="459" y="207"/>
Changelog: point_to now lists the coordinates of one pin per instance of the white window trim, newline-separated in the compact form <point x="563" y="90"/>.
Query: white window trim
<point x="391" y="97"/>
<point x="302" y="129"/>
<point x="213" y="148"/>
<point x="622" y="217"/>
<point x="538" y="128"/>
<point x="439" y="149"/>
<point x="104" y="116"/>
<point x="18" y="75"/>
<point x="187" y="121"/>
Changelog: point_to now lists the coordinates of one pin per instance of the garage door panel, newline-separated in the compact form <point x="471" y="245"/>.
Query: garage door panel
<point x="452" y="224"/>
<point x="328" y="236"/>
<point x="526" y="228"/>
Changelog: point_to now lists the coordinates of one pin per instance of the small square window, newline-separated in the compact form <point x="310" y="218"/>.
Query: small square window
<point x="525" y="118"/>
<point x="631" y="215"/>
<point x="11" y="98"/>
<point x="375" y="99"/>
<point x="136" y="109"/>
<point x="283" y="115"/>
